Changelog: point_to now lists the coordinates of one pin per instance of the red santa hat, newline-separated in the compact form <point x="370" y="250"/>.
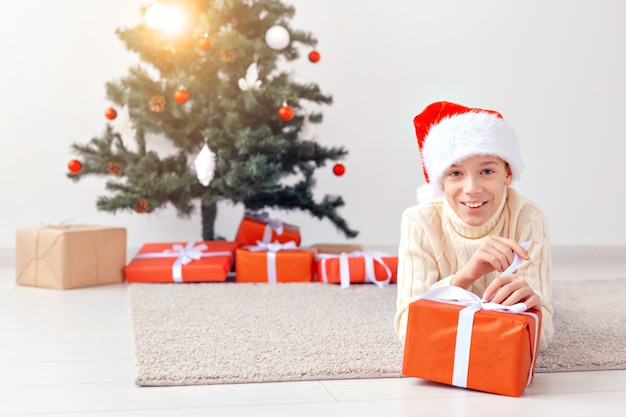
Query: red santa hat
<point x="448" y="133"/>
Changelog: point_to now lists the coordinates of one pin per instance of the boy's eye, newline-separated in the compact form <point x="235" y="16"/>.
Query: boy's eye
<point x="455" y="173"/>
<point x="488" y="171"/>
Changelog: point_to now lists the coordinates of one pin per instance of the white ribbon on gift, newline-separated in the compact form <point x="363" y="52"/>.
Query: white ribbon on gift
<point x="344" y="267"/>
<point x="517" y="260"/>
<point x="184" y="255"/>
<point x="271" y="225"/>
<point x="457" y="295"/>
<point x="272" y="248"/>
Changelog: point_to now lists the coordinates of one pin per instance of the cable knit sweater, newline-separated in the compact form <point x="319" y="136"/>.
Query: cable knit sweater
<point x="435" y="243"/>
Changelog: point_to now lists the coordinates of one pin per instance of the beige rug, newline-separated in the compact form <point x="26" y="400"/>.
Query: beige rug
<point x="217" y="333"/>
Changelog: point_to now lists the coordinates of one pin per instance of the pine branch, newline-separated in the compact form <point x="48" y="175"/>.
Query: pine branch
<point x="300" y="197"/>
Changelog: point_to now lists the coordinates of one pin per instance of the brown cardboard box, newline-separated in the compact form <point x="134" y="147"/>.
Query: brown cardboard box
<point x="337" y="248"/>
<point x="65" y="257"/>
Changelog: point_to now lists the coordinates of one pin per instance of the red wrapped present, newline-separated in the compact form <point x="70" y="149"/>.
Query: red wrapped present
<point x="260" y="228"/>
<point x="181" y="262"/>
<point x="274" y="263"/>
<point x="357" y="267"/>
<point x="454" y="338"/>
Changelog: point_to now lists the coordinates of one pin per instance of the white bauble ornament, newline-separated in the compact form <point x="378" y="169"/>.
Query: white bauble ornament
<point x="305" y="130"/>
<point x="125" y="128"/>
<point x="205" y="165"/>
<point x="277" y="37"/>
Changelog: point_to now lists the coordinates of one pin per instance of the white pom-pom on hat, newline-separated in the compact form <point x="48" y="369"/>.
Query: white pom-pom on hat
<point x="448" y="133"/>
<point x="426" y="192"/>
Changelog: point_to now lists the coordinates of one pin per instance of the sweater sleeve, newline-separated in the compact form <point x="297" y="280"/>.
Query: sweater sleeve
<point x="533" y="225"/>
<point x="417" y="265"/>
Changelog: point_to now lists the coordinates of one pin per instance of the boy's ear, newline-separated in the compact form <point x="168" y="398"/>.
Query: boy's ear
<point x="509" y="175"/>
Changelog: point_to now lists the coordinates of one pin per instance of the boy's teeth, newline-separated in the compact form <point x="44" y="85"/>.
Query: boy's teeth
<point x="473" y="205"/>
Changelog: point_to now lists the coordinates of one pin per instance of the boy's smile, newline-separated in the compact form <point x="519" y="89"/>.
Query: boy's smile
<point x="474" y="205"/>
<point x="475" y="187"/>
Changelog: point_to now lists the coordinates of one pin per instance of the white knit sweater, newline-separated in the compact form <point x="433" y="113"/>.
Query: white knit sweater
<point x="435" y="243"/>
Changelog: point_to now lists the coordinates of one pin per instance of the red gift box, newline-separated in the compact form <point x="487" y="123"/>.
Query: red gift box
<point x="481" y="346"/>
<point x="357" y="267"/>
<point x="260" y="228"/>
<point x="182" y="262"/>
<point x="274" y="263"/>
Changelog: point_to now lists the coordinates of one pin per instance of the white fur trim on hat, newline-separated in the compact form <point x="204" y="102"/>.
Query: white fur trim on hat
<point x="461" y="136"/>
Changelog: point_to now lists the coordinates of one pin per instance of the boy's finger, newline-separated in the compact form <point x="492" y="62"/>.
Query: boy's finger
<point x="492" y="289"/>
<point x="522" y="249"/>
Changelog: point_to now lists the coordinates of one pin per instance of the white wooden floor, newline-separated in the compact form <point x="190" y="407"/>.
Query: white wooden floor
<point x="70" y="353"/>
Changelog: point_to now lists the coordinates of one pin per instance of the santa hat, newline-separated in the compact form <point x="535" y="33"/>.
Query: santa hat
<point x="448" y="133"/>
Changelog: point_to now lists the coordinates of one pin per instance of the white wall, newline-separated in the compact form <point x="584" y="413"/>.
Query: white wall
<point x="555" y="70"/>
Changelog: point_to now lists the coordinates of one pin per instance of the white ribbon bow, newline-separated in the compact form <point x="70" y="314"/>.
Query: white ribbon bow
<point x="184" y="255"/>
<point x="457" y="295"/>
<point x="344" y="267"/>
<point x="272" y="225"/>
<point x="272" y="248"/>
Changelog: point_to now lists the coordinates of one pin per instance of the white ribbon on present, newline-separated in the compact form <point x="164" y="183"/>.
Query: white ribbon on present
<point x="457" y="295"/>
<point x="271" y="225"/>
<point x="344" y="267"/>
<point x="184" y="255"/>
<point x="517" y="260"/>
<point x="272" y="248"/>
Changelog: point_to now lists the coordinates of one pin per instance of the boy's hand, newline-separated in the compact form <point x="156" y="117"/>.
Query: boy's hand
<point x="510" y="289"/>
<point x="494" y="254"/>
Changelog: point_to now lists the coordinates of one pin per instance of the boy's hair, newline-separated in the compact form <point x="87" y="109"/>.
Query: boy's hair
<point x="448" y="133"/>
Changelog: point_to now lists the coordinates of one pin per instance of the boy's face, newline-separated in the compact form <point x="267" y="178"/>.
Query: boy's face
<point x="475" y="187"/>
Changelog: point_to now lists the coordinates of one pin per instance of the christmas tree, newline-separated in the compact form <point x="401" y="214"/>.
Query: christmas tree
<point x="213" y="81"/>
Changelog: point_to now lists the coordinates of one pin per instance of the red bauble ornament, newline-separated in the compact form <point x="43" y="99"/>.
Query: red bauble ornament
<point x="74" y="166"/>
<point x="285" y="113"/>
<point x="181" y="96"/>
<point x="314" y="56"/>
<point x="110" y="113"/>
<point x="339" y="169"/>
<point x="204" y="43"/>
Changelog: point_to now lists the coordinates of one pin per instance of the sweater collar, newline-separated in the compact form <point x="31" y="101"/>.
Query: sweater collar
<point x="457" y="225"/>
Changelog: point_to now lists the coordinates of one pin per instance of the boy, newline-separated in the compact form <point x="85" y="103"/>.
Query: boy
<point x="469" y="223"/>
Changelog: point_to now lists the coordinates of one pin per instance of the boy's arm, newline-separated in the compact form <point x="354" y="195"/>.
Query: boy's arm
<point x="417" y="269"/>
<point x="538" y="272"/>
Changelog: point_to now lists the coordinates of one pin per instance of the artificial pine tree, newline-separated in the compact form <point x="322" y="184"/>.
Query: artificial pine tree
<point x="217" y="91"/>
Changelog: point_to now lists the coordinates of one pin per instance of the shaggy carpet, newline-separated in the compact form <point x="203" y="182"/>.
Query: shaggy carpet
<point x="218" y="333"/>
